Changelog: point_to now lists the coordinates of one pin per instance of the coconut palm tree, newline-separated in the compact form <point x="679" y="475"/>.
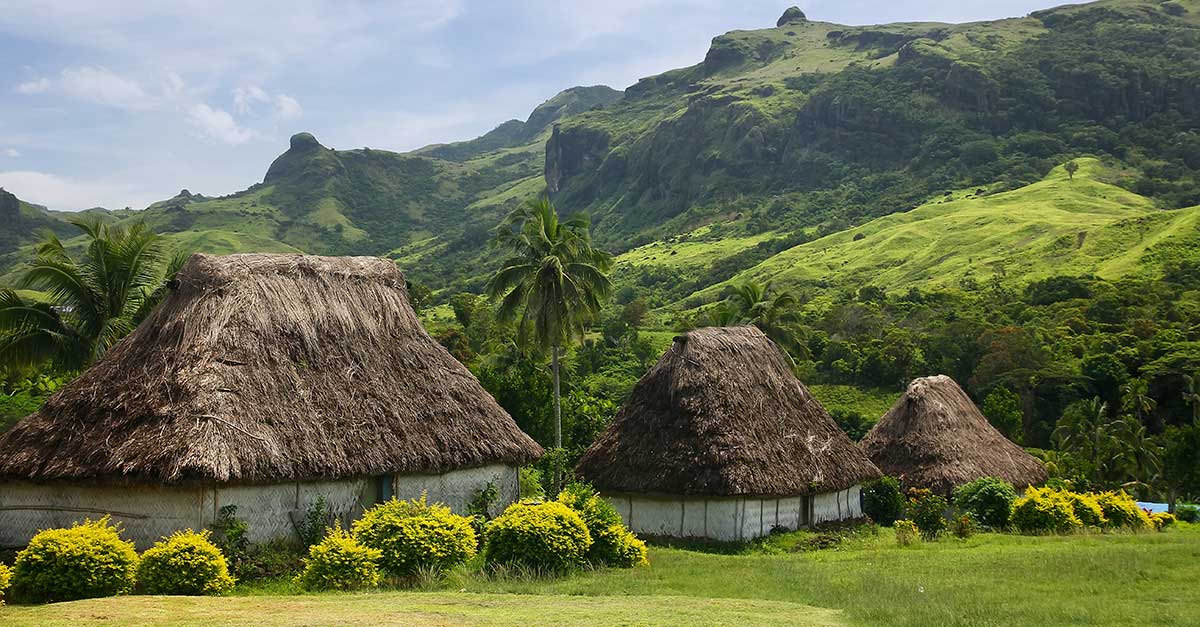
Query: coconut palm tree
<point x="90" y="303"/>
<point x="1191" y="396"/>
<point x="753" y="303"/>
<point x="554" y="284"/>
<point x="1135" y="397"/>
<point x="1087" y="430"/>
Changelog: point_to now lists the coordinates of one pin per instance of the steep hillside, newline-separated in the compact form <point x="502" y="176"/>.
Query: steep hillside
<point x="779" y="137"/>
<point x="812" y="123"/>
<point x="23" y="223"/>
<point x="1056" y="226"/>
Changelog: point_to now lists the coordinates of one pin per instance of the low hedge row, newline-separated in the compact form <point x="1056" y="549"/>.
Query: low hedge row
<point x="401" y="539"/>
<point x="993" y="503"/>
<point x="90" y="559"/>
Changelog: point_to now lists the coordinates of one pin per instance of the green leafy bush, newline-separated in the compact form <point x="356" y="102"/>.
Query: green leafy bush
<point x="316" y="519"/>
<point x="883" y="500"/>
<point x="414" y="536"/>
<point x="339" y="562"/>
<point x="1188" y="513"/>
<point x="1162" y="520"/>
<point x="231" y="534"/>
<point x="1043" y="510"/>
<point x="85" y="561"/>
<point x="1087" y="509"/>
<point x="964" y="526"/>
<point x="186" y="563"/>
<point x="928" y="513"/>
<point x="5" y="578"/>
<point x="612" y="543"/>
<point x="539" y="535"/>
<point x="988" y="500"/>
<point x="906" y="532"/>
<point x="1122" y="512"/>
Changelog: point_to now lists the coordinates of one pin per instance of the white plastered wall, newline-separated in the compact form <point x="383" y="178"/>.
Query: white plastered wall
<point x="732" y="519"/>
<point x="148" y="513"/>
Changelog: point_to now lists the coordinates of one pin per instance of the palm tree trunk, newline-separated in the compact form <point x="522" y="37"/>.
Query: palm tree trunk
<point x="557" y="399"/>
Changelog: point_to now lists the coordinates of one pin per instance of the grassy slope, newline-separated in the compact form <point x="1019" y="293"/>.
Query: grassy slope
<point x="870" y="404"/>
<point x="1056" y="226"/>
<point x="991" y="579"/>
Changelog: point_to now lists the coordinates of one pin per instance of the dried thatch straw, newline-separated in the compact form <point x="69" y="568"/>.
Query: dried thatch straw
<point x="268" y="368"/>
<point x="721" y="414"/>
<point x="934" y="437"/>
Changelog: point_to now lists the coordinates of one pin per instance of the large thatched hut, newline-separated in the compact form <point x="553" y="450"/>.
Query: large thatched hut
<point x="265" y="382"/>
<point x="934" y="437"/>
<point x="720" y="440"/>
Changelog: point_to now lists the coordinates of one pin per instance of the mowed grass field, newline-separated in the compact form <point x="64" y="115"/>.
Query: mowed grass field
<point x="991" y="579"/>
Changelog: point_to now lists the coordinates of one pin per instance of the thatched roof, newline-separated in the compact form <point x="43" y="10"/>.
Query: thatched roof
<point x="267" y="368"/>
<point x="721" y="414"/>
<point x="934" y="437"/>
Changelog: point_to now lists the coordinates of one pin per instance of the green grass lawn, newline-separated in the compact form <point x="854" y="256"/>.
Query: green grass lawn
<point x="1112" y="579"/>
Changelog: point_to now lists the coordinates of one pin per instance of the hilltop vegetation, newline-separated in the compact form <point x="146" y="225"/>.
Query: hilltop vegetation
<point x="778" y="137"/>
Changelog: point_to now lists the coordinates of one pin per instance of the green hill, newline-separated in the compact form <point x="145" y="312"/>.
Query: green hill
<point x="1054" y="227"/>
<point x="769" y="157"/>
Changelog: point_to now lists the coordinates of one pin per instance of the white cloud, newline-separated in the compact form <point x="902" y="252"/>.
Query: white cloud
<point x="289" y="108"/>
<point x="217" y="124"/>
<point x="12" y="152"/>
<point x="69" y="194"/>
<point x="245" y="97"/>
<point x="34" y="87"/>
<point x="93" y="84"/>
<point x="102" y="86"/>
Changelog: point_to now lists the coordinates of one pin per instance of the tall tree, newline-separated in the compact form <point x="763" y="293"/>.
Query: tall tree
<point x="1135" y="397"/>
<point x="775" y="313"/>
<point x="90" y="303"/>
<point x="554" y="284"/>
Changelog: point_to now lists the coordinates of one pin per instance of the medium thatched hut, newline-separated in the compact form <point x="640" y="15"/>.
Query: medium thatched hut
<point x="265" y="382"/>
<point x="934" y="437"/>
<point x="720" y="440"/>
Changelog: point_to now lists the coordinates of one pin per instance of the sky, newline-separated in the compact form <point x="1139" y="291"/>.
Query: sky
<point x="121" y="103"/>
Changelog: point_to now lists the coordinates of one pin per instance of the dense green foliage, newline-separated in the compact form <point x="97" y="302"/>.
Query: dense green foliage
<point x="186" y="563"/>
<point x="415" y="536"/>
<point x="549" y="536"/>
<point x="92" y="302"/>
<point x="883" y="500"/>
<point x="339" y="562"/>
<point x="928" y="513"/>
<point x="612" y="542"/>
<point x="988" y="500"/>
<point x="87" y="560"/>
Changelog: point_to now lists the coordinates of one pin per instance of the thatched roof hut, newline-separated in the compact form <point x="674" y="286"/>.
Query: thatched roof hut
<point x="721" y="414"/>
<point x="934" y="437"/>
<point x="264" y="369"/>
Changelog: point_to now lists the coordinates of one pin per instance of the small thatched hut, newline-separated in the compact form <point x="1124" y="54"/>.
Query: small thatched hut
<point x="265" y="382"/>
<point x="934" y="437"/>
<point x="720" y="440"/>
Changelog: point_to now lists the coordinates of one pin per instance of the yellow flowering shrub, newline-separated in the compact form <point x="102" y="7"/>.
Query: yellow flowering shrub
<point x="85" y="561"/>
<point x="612" y="543"/>
<point x="1045" y="510"/>
<point x="1087" y="509"/>
<point x="543" y="535"/>
<point x="5" y="577"/>
<point x="414" y="536"/>
<point x="1122" y="512"/>
<point x="339" y="562"/>
<point x="186" y="563"/>
<point x="1161" y="521"/>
